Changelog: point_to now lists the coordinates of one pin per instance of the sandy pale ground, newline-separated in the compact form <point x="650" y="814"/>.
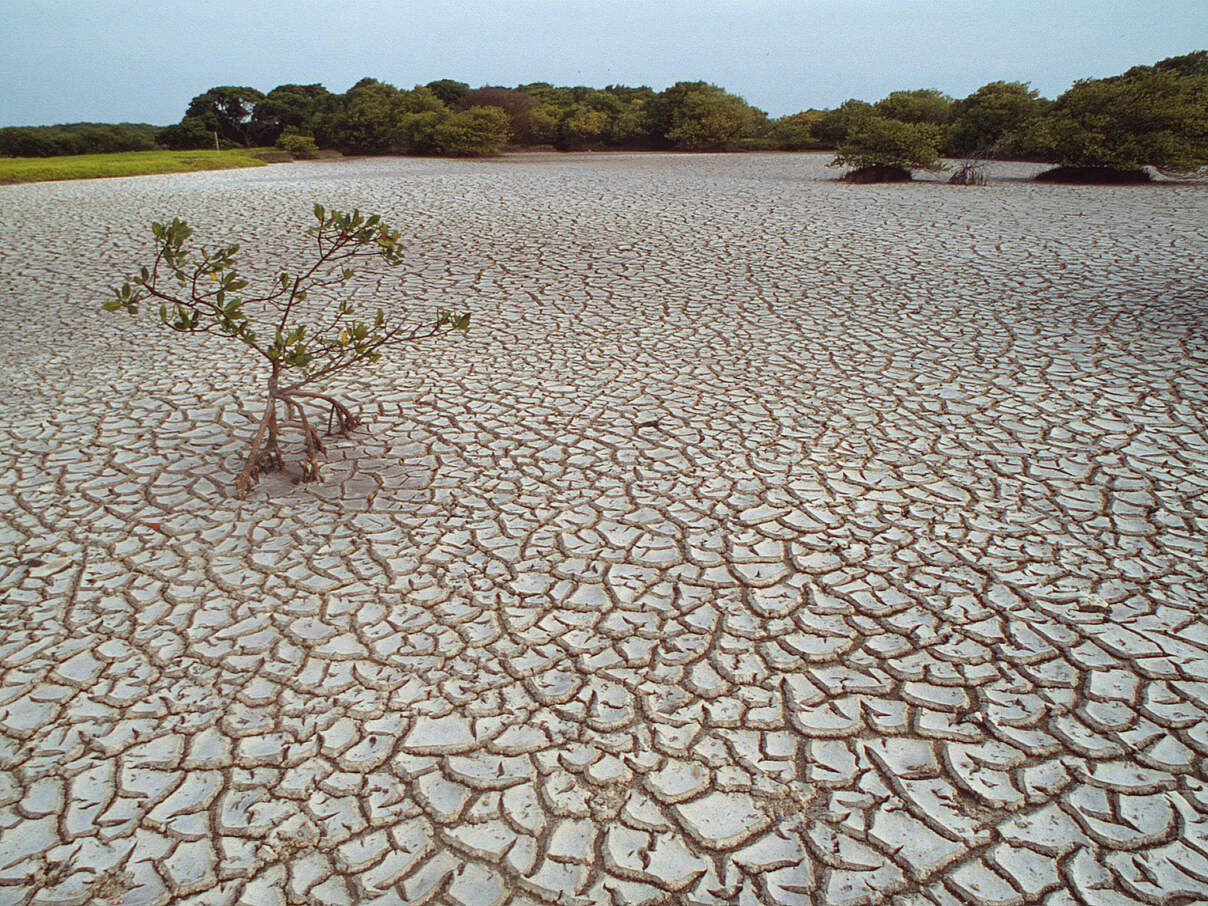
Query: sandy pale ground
<point x="899" y="599"/>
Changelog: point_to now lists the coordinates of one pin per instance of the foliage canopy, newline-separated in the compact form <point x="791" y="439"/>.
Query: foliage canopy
<point x="984" y="120"/>
<point x="226" y="110"/>
<point x="922" y="105"/>
<point x="472" y="132"/>
<point x="837" y="123"/>
<point x="877" y="141"/>
<point x="697" y="116"/>
<point x="1156" y="118"/>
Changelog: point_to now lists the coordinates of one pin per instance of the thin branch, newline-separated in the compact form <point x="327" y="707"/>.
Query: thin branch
<point x="324" y="258"/>
<point x="340" y="365"/>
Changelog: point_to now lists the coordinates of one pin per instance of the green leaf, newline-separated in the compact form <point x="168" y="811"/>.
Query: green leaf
<point x="320" y="213"/>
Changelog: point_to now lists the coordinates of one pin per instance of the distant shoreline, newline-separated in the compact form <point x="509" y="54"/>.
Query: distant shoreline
<point x="14" y="170"/>
<point x="24" y="170"/>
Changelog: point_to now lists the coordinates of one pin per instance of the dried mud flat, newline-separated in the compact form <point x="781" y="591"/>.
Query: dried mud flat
<point x="898" y="600"/>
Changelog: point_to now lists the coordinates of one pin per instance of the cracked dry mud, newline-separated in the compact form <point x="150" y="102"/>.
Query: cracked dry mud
<point x="895" y="595"/>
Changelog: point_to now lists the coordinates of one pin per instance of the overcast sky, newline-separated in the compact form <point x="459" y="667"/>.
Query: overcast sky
<point x="142" y="60"/>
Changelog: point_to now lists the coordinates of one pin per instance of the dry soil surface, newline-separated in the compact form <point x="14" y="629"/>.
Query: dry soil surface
<point x="767" y="540"/>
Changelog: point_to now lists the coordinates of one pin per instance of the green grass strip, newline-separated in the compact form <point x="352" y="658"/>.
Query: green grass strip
<point x="129" y="163"/>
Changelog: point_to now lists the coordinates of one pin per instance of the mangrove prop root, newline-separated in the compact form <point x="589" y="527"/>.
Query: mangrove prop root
<point x="264" y="452"/>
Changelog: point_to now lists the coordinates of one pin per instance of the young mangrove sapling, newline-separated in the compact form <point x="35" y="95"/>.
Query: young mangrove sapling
<point x="304" y="323"/>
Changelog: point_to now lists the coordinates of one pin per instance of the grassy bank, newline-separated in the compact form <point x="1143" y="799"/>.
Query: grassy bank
<point x="129" y="163"/>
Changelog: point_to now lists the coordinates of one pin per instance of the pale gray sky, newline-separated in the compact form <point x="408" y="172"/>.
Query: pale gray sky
<point x="142" y="60"/>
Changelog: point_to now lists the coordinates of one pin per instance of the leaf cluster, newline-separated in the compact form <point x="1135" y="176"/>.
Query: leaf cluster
<point x="201" y="290"/>
<point x="472" y="132"/>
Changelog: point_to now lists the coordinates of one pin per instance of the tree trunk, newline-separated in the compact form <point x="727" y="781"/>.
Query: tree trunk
<point x="268" y="424"/>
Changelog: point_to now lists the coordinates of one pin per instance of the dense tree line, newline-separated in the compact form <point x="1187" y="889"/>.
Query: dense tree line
<point x="1150" y="115"/>
<point x="450" y="117"/>
<point x="76" y="138"/>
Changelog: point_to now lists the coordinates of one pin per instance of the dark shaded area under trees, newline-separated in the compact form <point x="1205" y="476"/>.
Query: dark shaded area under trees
<point x="1102" y="129"/>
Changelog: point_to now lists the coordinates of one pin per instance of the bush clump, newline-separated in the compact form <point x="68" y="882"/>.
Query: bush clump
<point x="302" y="147"/>
<point x="879" y="149"/>
<point x="1108" y="130"/>
<point x="475" y="132"/>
